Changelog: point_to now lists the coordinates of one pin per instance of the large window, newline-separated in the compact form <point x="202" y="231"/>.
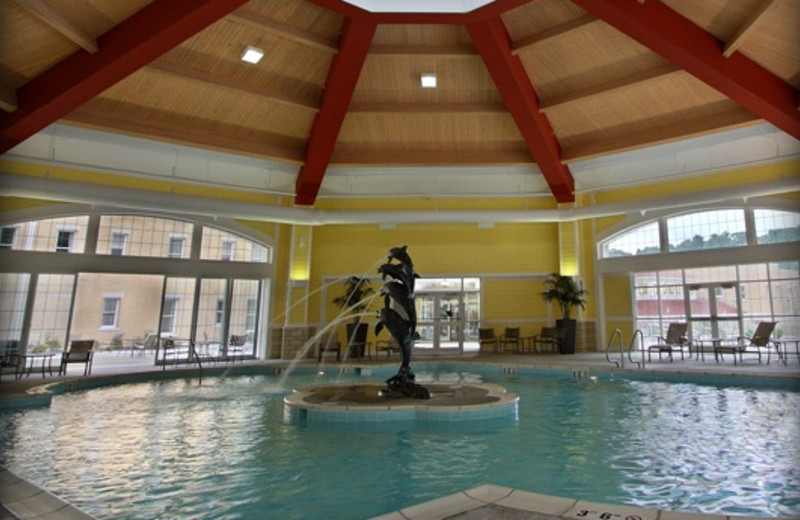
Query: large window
<point x="121" y="306"/>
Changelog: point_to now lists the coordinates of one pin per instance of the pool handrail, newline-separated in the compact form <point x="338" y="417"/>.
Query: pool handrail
<point x="616" y="333"/>
<point x="636" y="334"/>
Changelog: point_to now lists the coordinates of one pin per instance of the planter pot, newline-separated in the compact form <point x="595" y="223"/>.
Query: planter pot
<point x="568" y="341"/>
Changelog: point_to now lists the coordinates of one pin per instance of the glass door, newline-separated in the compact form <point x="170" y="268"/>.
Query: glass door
<point x="714" y="310"/>
<point x="439" y="322"/>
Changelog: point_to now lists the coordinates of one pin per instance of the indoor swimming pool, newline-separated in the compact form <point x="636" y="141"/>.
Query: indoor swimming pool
<point x="176" y="449"/>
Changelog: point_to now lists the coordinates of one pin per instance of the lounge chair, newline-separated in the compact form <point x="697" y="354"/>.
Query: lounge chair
<point x="512" y="339"/>
<point x="328" y="342"/>
<point x="674" y="341"/>
<point x="80" y="351"/>
<point x="760" y="340"/>
<point x="10" y="358"/>
<point x="549" y="337"/>
<point x="486" y="339"/>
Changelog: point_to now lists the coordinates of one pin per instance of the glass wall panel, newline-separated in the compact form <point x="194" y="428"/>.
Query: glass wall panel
<point x="221" y="245"/>
<point x="244" y="318"/>
<point x="641" y="240"/>
<point x="707" y="230"/>
<point x="51" y="312"/>
<point x="63" y="235"/>
<point x="211" y="317"/>
<point x="136" y="235"/>
<point x="13" y="297"/>
<point x="725" y="273"/>
<point x="773" y="226"/>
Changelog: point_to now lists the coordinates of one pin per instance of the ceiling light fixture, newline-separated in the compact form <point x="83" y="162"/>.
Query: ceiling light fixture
<point x="428" y="80"/>
<point x="252" y="54"/>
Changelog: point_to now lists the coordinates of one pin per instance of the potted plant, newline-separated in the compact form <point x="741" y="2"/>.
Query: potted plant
<point x="356" y="290"/>
<point x="567" y="293"/>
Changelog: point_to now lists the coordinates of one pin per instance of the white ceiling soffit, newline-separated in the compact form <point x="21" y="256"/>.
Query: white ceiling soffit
<point x="419" y="6"/>
<point x="73" y="147"/>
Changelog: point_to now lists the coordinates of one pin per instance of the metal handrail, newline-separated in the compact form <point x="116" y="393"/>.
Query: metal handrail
<point x="616" y="333"/>
<point x="637" y="334"/>
<point x="193" y="353"/>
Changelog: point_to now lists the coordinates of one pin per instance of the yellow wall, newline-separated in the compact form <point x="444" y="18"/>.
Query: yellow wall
<point x="513" y="251"/>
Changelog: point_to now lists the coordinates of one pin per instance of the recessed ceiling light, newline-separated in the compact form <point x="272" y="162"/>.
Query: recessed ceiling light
<point x="252" y="54"/>
<point x="428" y="80"/>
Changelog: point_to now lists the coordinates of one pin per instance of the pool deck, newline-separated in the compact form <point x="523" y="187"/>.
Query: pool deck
<point x="20" y="499"/>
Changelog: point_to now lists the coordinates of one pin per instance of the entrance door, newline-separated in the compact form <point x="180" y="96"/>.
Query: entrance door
<point x="439" y="322"/>
<point x="714" y="310"/>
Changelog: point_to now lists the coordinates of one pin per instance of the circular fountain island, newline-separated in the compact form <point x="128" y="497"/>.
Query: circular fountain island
<point x="399" y="397"/>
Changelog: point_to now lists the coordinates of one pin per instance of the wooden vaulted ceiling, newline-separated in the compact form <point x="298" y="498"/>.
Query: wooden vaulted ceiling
<point x="520" y="82"/>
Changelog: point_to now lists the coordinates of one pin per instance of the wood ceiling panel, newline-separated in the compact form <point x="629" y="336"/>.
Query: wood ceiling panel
<point x="722" y="18"/>
<point x="776" y="45"/>
<point x="591" y="55"/>
<point x="131" y="120"/>
<point x="174" y="97"/>
<point x="218" y="49"/>
<point x="408" y="131"/>
<point x="538" y="16"/>
<point x="28" y="46"/>
<point x="301" y="15"/>
<point x="95" y="17"/>
<point x="667" y="99"/>
<point x="396" y="79"/>
<point x="421" y="35"/>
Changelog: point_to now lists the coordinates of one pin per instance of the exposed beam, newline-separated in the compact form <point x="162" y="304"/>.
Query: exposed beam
<point x="285" y="98"/>
<point x="678" y="40"/>
<point x="428" y="108"/>
<point x="553" y="32"/>
<point x="656" y="135"/>
<point x="261" y="22"/>
<point x="188" y="134"/>
<point x="614" y="85"/>
<point x="747" y="29"/>
<point x="492" y="41"/>
<point x="60" y="23"/>
<point x="141" y="38"/>
<point x="342" y="77"/>
<point x="8" y="100"/>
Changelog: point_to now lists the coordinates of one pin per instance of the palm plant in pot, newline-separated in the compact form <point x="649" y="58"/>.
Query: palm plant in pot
<point x="567" y="293"/>
<point x="356" y="290"/>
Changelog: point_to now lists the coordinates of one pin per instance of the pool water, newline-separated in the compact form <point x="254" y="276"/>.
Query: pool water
<point x="222" y="450"/>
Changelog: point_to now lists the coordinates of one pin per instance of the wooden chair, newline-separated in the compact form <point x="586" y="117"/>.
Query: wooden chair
<point x="512" y="339"/>
<point x="674" y="341"/>
<point x="486" y="339"/>
<point x="386" y="345"/>
<point x="328" y="342"/>
<point x="80" y="351"/>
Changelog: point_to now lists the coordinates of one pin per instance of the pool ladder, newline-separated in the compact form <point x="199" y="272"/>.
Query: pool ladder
<point x="617" y="334"/>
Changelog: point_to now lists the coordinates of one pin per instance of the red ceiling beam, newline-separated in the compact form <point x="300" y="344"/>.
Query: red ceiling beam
<point x="491" y="39"/>
<point x="343" y="75"/>
<point x="699" y="53"/>
<point x="124" y="49"/>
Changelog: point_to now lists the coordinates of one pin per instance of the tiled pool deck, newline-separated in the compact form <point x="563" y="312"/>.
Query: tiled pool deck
<point x="23" y="500"/>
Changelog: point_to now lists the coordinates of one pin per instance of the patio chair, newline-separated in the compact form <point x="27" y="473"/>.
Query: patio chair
<point x="149" y="343"/>
<point x="80" y="351"/>
<point x="512" y="339"/>
<point x="387" y="345"/>
<point x="10" y="358"/>
<point x="486" y="339"/>
<point x="549" y="337"/>
<point x="328" y="342"/>
<point x="236" y="345"/>
<point x="674" y="341"/>
<point x="760" y="340"/>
